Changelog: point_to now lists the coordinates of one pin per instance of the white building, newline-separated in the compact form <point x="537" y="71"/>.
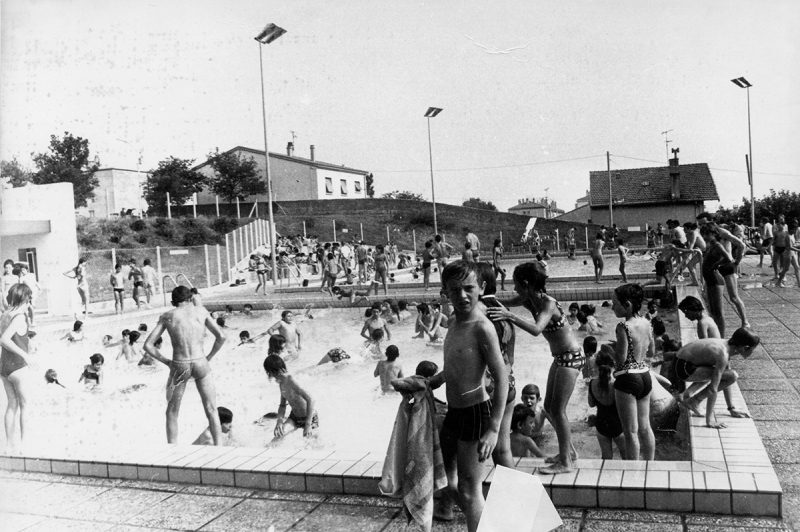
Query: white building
<point x="37" y="226"/>
<point x="118" y="191"/>
<point x="297" y="178"/>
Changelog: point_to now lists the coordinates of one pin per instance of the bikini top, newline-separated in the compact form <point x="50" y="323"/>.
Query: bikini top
<point x="630" y="359"/>
<point x="90" y="375"/>
<point x="556" y="323"/>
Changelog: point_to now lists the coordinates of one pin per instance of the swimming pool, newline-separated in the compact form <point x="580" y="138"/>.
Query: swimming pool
<point x="354" y="415"/>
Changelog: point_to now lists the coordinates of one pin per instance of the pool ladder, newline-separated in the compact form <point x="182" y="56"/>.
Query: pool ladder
<point x="174" y="281"/>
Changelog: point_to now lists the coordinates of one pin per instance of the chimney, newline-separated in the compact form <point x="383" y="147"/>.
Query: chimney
<point x="312" y="152"/>
<point x="675" y="176"/>
<point x="290" y="149"/>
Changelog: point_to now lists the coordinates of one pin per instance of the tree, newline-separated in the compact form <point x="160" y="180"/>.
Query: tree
<point x="175" y="176"/>
<point x="17" y="175"/>
<point x="370" y="185"/>
<point x="477" y="203"/>
<point x="770" y="206"/>
<point x="404" y="195"/>
<point x="235" y="177"/>
<point x="68" y="162"/>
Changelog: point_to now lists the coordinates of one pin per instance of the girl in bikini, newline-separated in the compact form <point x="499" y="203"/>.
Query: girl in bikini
<point x="632" y="372"/>
<point x="79" y="274"/>
<point x="568" y="357"/>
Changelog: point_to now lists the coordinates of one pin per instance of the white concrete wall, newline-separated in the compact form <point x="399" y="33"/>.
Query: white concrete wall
<point x="336" y="180"/>
<point x="56" y="251"/>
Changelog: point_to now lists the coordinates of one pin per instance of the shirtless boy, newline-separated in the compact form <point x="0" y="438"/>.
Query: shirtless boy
<point x="473" y="419"/>
<point x="288" y="329"/>
<point x="705" y="363"/>
<point x="185" y="325"/>
<point x="303" y="414"/>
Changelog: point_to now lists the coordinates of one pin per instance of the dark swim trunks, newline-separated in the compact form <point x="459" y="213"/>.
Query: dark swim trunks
<point x="301" y="422"/>
<point x="685" y="369"/>
<point x="468" y="424"/>
<point x="726" y="270"/>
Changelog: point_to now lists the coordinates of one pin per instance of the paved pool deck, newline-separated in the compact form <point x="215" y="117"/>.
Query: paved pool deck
<point x="768" y="382"/>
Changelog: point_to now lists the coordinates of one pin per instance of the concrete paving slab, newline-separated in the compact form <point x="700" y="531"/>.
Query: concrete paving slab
<point x="184" y="511"/>
<point x="327" y="517"/>
<point x="68" y="525"/>
<point x="116" y="505"/>
<point x="259" y="514"/>
<point x="775" y="412"/>
<point x="625" y="526"/>
<point x="783" y="451"/>
<point x="757" y="397"/>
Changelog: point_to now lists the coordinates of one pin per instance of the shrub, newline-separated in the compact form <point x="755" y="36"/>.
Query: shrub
<point x="422" y="218"/>
<point x="224" y="225"/>
<point x="199" y="235"/>
<point x="190" y="223"/>
<point x="162" y="222"/>
<point x="138" y="225"/>
<point x="141" y="238"/>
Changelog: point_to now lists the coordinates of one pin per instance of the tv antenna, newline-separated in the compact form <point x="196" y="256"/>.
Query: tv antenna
<point x="666" y="140"/>
<point x="545" y="193"/>
<point x="294" y="136"/>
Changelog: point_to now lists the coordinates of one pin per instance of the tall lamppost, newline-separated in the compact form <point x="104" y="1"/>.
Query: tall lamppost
<point x="431" y="113"/>
<point x="744" y="84"/>
<point x="270" y="33"/>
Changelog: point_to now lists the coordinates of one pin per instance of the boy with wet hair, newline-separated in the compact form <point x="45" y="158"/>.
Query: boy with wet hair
<point x="471" y="427"/>
<point x="522" y="424"/>
<point x="225" y="422"/>
<point x="303" y="414"/>
<point x="705" y="364"/>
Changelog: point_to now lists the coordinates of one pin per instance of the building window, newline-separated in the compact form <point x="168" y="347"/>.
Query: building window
<point x="358" y="186"/>
<point x="91" y="214"/>
<point x="343" y="186"/>
<point x="329" y="186"/>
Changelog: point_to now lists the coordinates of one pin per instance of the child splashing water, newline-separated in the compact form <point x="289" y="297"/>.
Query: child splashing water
<point x="303" y="414"/>
<point x="93" y="372"/>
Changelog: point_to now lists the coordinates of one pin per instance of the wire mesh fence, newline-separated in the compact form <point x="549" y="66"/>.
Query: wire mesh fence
<point x="198" y="266"/>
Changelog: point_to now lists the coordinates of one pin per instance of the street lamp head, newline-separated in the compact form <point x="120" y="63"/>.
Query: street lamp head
<point x="741" y="82"/>
<point x="432" y="112"/>
<point x="270" y="33"/>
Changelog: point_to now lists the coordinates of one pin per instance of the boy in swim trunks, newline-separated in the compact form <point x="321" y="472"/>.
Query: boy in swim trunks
<point x="288" y="329"/>
<point x="303" y="414"/>
<point x="705" y="363"/>
<point x="471" y="428"/>
<point x="225" y="422"/>
<point x="185" y="325"/>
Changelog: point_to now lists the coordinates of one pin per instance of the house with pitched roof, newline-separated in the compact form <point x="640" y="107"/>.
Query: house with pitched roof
<point x="296" y="178"/>
<point x="643" y="196"/>
<point x="537" y="208"/>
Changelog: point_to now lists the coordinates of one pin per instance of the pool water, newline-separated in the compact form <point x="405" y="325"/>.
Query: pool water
<point x="354" y="414"/>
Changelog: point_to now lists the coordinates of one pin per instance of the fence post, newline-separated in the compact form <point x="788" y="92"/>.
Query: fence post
<point x="219" y="267"/>
<point x="587" y="236"/>
<point x="304" y="229"/>
<point x="208" y="269"/>
<point x="158" y="267"/>
<point x="334" y="230"/>
<point x="362" y="231"/>
<point x="238" y="212"/>
<point x="169" y="209"/>
<point x="241" y="244"/>
<point x="247" y="248"/>
<point x="388" y="238"/>
<point x="216" y="200"/>
<point x="414" y="235"/>
<point x="194" y="204"/>
<point x="235" y="249"/>
<point x="558" y="240"/>
<point x="228" y="257"/>
<point x="113" y="258"/>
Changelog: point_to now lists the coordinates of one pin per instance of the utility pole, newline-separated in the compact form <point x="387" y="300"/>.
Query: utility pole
<point x="667" y="141"/>
<point x="610" y="195"/>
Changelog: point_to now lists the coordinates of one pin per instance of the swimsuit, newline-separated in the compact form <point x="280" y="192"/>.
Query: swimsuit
<point x="182" y="370"/>
<point x="301" y="422"/>
<point x="556" y="324"/>
<point x="468" y="424"/>
<point x="337" y="354"/>
<point x="685" y="369"/>
<point x="633" y="377"/>
<point x="608" y="423"/>
<point x="88" y="375"/>
<point x="10" y="361"/>
<point x="573" y="358"/>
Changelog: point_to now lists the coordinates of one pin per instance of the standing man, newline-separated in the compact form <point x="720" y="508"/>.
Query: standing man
<point x="475" y="244"/>
<point x="150" y="280"/>
<point x="442" y="251"/>
<point x="185" y="325"/>
<point x="138" y="282"/>
<point x="766" y="243"/>
<point x="361" y="257"/>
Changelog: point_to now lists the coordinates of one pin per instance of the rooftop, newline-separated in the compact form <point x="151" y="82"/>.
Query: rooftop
<point x="653" y="185"/>
<point x="315" y="164"/>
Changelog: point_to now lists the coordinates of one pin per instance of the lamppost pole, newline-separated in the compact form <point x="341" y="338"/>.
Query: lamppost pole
<point x="431" y="113"/>
<point x="744" y="84"/>
<point x="267" y="35"/>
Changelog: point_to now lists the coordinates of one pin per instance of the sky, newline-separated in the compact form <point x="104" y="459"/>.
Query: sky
<point x="534" y="93"/>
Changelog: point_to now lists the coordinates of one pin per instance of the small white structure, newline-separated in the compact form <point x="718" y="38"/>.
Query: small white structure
<point x="118" y="191"/>
<point x="37" y="226"/>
